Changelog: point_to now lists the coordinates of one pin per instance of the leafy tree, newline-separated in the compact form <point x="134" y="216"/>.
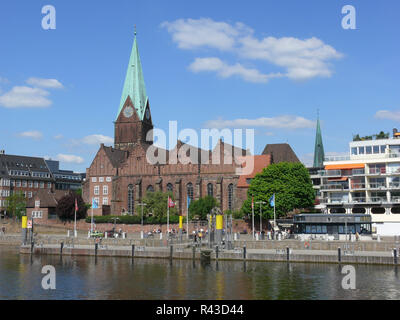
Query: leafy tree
<point x="156" y="204"/>
<point x="202" y="207"/>
<point x="66" y="207"/>
<point x="291" y="184"/>
<point x="16" y="205"/>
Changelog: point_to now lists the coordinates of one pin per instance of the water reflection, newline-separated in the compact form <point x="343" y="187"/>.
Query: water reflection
<point x="120" y="278"/>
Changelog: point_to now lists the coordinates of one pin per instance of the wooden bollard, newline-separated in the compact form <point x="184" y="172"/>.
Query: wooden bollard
<point x="133" y="250"/>
<point x="287" y="253"/>
<point x="395" y="256"/>
<point x="339" y="250"/>
<point x="61" y="248"/>
<point x="216" y="252"/>
<point x="171" y="250"/>
<point x="244" y="253"/>
<point x="96" y="245"/>
<point x="194" y="252"/>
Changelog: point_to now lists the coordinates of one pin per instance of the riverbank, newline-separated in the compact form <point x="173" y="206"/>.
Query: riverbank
<point x="187" y="252"/>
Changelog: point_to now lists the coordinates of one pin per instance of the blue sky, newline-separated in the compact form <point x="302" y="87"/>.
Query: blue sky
<point x="263" y="64"/>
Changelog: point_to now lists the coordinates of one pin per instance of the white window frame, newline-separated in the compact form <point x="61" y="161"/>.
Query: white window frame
<point x="96" y="190"/>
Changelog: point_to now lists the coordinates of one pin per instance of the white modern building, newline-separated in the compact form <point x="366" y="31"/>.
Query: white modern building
<point x="366" y="181"/>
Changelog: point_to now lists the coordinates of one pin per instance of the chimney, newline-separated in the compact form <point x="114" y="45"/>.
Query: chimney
<point x="394" y="132"/>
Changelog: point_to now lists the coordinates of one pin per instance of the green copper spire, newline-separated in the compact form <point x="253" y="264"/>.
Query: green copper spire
<point x="319" y="154"/>
<point x="134" y="84"/>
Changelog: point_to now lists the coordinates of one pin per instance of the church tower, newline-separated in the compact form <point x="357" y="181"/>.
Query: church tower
<point x="319" y="154"/>
<point x="133" y="124"/>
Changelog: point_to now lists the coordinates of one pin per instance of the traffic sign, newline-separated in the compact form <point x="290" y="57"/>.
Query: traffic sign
<point x="29" y="226"/>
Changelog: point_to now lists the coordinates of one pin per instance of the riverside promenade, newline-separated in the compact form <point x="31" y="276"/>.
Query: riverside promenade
<point x="318" y="251"/>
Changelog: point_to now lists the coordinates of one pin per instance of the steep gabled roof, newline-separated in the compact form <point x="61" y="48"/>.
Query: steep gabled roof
<point x="116" y="156"/>
<point x="280" y="152"/>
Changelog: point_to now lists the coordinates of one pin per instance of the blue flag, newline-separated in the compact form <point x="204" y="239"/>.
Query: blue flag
<point x="272" y="201"/>
<point x="188" y="202"/>
<point x="95" y="205"/>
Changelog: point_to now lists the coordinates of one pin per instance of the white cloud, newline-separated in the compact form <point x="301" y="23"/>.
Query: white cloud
<point x="389" y="115"/>
<point x="97" y="139"/>
<point x="225" y="71"/>
<point x="58" y="137"/>
<point x="280" y="122"/>
<point x="204" y="32"/>
<point x="25" y="97"/>
<point x="4" y="80"/>
<point x="300" y="59"/>
<point x="31" y="134"/>
<point x="70" y="158"/>
<point x="45" y="83"/>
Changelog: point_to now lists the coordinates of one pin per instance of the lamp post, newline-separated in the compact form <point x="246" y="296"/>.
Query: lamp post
<point x="261" y="203"/>
<point x="142" y="205"/>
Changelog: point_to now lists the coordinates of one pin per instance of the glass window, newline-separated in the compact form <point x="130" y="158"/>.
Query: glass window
<point x="361" y="150"/>
<point x="189" y="189"/>
<point x="383" y="148"/>
<point x="354" y="151"/>
<point x="131" y="200"/>
<point x="170" y="187"/>
<point x="308" y="229"/>
<point x="210" y="190"/>
<point x="324" y="229"/>
<point x="376" y="149"/>
<point x="368" y="150"/>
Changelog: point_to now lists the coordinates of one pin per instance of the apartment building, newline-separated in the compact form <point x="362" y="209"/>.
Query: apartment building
<point x="367" y="181"/>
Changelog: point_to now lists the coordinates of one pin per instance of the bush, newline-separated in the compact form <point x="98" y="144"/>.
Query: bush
<point x="236" y="214"/>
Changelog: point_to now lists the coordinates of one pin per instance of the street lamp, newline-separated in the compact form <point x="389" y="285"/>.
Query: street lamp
<point x="142" y="205"/>
<point x="260" y="203"/>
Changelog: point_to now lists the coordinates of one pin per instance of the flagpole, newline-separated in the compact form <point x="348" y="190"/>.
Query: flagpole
<point x="168" y="219"/>
<point x="91" y="221"/>
<point x="75" y="224"/>
<point x="274" y="211"/>
<point x="187" y="222"/>
<point x="252" y="209"/>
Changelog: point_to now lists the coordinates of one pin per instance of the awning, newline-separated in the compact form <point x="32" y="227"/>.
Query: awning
<point x="338" y="179"/>
<point x="345" y="166"/>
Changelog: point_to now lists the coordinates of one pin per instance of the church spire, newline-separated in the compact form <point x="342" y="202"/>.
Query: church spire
<point x="134" y="86"/>
<point x="319" y="148"/>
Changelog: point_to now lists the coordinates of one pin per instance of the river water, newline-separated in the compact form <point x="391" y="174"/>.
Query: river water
<point x="122" y="278"/>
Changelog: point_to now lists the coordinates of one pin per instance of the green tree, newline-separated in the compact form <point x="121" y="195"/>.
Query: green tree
<point x="66" y="207"/>
<point x="291" y="184"/>
<point x="200" y="208"/>
<point x="156" y="204"/>
<point x="16" y="205"/>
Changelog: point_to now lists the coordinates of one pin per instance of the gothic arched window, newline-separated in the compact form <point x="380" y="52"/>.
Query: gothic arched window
<point x="150" y="188"/>
<point x="210" y="190"/>
<point x="131" y="202"/>
<point x="189" y="189"/>
<point x="230" y="196"/>
<point x="170" y="187"/>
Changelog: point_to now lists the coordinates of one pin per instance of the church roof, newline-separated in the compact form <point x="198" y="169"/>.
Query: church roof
<point x="319" y="149"/>
<point x="116" y="156"/>
<point x="134" y="84"/>
<point x="280" y="152"/>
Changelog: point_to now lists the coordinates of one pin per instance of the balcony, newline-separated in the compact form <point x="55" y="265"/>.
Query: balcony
<point x="394" y="185"/>
<point x="395" y="199"/>
<point x="359" y="200"/>
<point x="337" y="158"/>
<point x="378" y="186"/>
<point x="330" y="173"/>
<point x="377" y="199"/>
<point x="377" y="171"/>
<point x="335" y="187"/>
<point x="358" y="172"/>
<point x="357" y="186"/>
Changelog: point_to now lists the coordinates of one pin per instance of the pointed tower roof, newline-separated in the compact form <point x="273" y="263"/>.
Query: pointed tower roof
<point x="319" y="154"/>
<point x="134" y="86"/>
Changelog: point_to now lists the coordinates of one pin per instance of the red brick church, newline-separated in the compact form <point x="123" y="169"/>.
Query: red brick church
<point x="120" y="176"/>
